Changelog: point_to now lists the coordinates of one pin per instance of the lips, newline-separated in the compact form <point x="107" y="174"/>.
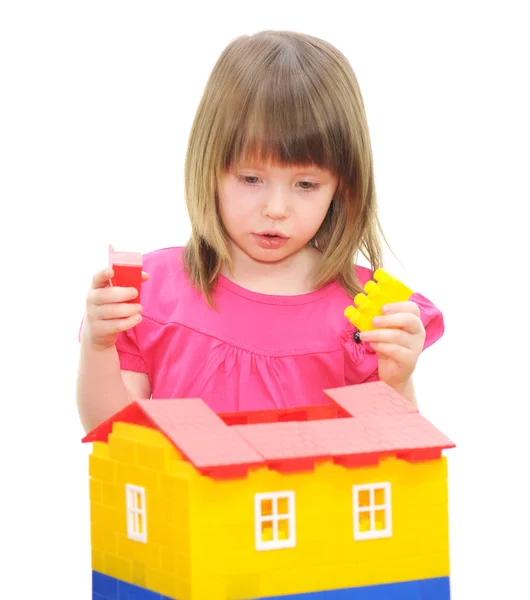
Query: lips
<point x="275" y="234"/>
<point x="271" y="240"/>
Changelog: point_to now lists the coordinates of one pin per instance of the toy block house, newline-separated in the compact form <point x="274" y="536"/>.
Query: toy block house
<point x="344" y="500"/>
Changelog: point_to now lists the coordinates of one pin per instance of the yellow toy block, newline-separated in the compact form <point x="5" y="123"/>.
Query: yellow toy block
<point x="387" y="290"/>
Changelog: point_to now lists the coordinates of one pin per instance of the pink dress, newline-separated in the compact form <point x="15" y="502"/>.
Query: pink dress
<point x="256" y="351"/>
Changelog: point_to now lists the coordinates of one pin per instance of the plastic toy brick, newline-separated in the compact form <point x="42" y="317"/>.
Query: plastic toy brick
<point x="344" y="500"/>
<point x="388" y="289"/>
<point x="381" y="423"/>
<point x="205" y="440"/>
<point x="108" y="588"/>
<point x="127" y="267"/>
<point x="305" y="413"/>
<point x="427" y="589"/>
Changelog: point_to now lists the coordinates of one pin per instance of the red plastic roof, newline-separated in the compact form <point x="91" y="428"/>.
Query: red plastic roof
<point x="381" y="423"/>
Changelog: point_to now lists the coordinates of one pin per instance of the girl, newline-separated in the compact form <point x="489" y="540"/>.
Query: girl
<point x="281" y="198"/>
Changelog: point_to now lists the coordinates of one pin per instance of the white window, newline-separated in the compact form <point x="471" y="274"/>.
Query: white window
<point x="274" y="520"/>
<point x="136" y="516"/>
<point x="372" y="511"/>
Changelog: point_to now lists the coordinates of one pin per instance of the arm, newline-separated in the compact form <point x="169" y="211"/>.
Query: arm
<point x="102" y="388"/>
<point x="407" y="391"/>
<point x="398" y="342"/>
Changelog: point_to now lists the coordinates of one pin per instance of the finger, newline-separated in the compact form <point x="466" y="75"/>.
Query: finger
<point x="120" y="310"/>
<point x="400" y="354"/>
<point x="389" y="336"/>
<point x="409" y="322"/>
<point x="101" y="278"/>
<point x="145" y="276"/>
<point x="113" y="326"/>
<point x="111" y="295"/>
<point x="401" y="307"/>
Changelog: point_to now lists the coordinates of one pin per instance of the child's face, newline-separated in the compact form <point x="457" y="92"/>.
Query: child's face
<point x="272" y="211"/>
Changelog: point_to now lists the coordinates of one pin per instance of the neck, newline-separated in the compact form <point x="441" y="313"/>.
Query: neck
<point x="291" y="276"/>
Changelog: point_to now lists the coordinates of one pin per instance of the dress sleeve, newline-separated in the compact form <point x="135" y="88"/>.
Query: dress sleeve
<point x="128" y="351"/>
<point x="130" y="355"/>
<point x="360" y="359"/>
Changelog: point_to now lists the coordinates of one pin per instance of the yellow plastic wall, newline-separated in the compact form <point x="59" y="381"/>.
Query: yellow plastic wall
<point x="144" y="457"/>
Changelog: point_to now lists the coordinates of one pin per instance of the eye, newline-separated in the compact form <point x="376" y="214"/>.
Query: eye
<point x="308" y="186"/>
<point x="248" y="179"/>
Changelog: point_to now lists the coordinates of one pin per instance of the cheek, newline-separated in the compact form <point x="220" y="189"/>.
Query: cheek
<point x="312" y="214"/>
<point x="234" y="212"/>
<point x="227" y="201"/>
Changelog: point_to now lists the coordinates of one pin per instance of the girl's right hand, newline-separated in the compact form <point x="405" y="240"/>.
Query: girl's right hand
<point x="107" y="311"/>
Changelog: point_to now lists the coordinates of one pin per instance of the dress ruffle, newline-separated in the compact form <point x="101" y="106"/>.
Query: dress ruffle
<point x="356" y="351"/>
<point x="361" y="360"/>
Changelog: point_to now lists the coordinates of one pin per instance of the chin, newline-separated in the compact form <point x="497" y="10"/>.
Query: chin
<point x="269" y="256"/>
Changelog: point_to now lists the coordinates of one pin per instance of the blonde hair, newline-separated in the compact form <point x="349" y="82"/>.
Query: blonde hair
<point x="294" y="99"/>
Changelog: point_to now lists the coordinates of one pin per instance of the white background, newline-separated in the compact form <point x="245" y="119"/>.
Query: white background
<point x="96" y="102"/>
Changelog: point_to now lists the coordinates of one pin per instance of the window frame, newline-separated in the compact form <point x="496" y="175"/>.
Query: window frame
<point x="372" y="533"/>
<point x="259" y="519"/>
<point x="132" y="493"/>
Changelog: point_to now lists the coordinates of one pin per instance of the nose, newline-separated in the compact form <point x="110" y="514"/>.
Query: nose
<point x="276" y="204"/>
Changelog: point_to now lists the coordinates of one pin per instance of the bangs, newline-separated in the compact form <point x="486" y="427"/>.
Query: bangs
<point x="288" y="115"/>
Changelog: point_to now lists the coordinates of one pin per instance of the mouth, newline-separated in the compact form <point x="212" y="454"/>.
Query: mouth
<point x="270" y="240"/>
<point x="272" y="234"/>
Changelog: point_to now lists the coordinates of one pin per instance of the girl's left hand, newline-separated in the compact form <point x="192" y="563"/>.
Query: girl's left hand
<point x="397" y="342"/>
